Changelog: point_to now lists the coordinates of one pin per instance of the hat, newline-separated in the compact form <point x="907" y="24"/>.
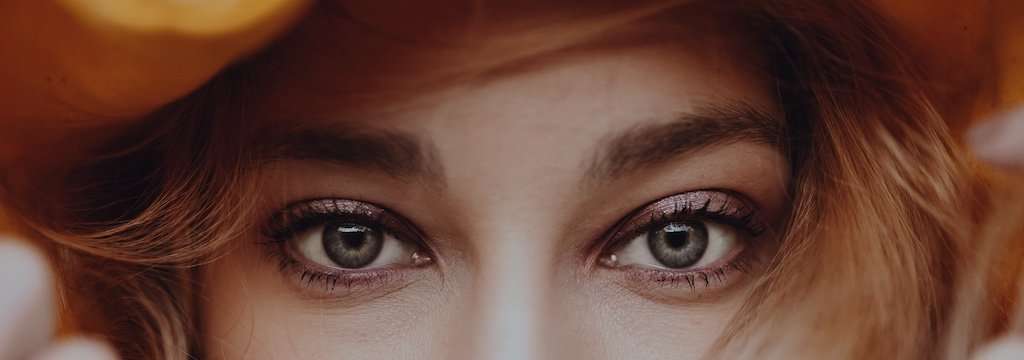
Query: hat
<point x="162" y="50"/>
<point x="971" y="52"/>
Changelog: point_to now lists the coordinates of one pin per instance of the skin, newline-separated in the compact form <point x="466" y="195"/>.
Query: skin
<point x="512" y="216"/>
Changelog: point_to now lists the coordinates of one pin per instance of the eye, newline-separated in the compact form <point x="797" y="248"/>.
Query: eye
<point x="680" y="245"/>
<point x="695" y="238"/>
<point x="345" y="244"/>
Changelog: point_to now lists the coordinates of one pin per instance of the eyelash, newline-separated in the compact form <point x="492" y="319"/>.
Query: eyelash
<point x="305" y="215"/>
<point x="302" y="216"/>
<point x="329" y="280"/>
<point x="742" y="218"/>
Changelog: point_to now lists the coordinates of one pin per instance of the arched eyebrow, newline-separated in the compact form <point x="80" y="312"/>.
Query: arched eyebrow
<point x="399" y="155"/>
<point x="652" y="144"/>
<point x="410" y="158"/>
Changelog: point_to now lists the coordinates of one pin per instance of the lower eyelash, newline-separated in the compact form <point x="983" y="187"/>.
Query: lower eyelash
<point x="330" y="281"/>
<point x="704" y="278"/>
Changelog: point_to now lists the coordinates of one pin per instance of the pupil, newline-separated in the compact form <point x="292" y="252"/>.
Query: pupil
<point x="678" y="245"/>
<point x="352" y="238"/>
<point x="677" y="238"/>
<point x="352" y="246"/>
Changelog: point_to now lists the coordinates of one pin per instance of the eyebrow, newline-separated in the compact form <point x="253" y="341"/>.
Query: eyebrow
<point x="397" y="154"/>
<point x="409" y="158"/>
<point x="710" y="125"/>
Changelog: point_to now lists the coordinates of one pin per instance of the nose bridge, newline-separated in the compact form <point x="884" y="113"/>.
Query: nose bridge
<point x="511" y="296"/>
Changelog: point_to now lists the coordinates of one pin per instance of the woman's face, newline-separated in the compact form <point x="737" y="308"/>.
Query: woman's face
<point x="610" y="202"/>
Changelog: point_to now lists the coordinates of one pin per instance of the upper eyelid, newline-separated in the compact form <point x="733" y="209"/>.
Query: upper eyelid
<point x="409" y="231"/>
<point x="744" y="210"/>
<point x="621" y="230"/>
<point x="294" y="224"/>
<point x="745" y="213"/>
<point x="282" y="222"/>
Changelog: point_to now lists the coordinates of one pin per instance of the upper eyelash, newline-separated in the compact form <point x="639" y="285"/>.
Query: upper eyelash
<point x="742" y="218"/>
<point x="284" y="225"/>
<point x="731" y="212"/>
<point x="302" y="216"/>
<point x="286" y="229"/>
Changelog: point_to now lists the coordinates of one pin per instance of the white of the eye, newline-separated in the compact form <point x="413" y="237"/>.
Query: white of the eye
<point x="310" y="245"/>
<point x="722" y="240"/>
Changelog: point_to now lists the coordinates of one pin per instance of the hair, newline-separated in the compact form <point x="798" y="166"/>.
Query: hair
<point x="883" y="229"/>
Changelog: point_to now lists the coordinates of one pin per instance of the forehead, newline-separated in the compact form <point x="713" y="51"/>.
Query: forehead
<point x="553" y="119"/>
<point x="522" y="128"/>
<point x="367" y="63"/>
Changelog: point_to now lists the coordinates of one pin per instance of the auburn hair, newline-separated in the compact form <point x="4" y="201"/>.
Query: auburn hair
<point x="884" y="224"/>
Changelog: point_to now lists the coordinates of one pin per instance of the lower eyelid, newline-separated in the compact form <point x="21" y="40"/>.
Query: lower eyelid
<point x="315" y="282"/>
<point x="692" y="279"/>
<point x="673" y="287"/>
<point x="685" y="286"/>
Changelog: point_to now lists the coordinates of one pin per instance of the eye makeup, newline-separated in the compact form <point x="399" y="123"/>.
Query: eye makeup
<point x="713" y="231"/>
<point x="310" y="240"/>
<point x="697" y="241"/>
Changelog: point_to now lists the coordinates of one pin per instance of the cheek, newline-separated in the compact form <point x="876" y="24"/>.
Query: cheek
<point x="249" y="312"/>
<point x="628" y="326"/>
